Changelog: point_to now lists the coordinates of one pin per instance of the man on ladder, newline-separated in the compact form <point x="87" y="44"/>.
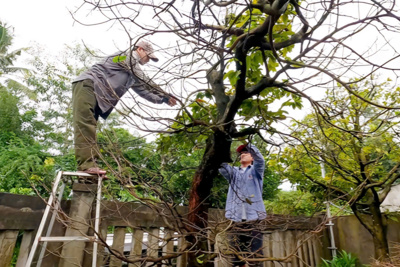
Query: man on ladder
<point x="95" y="93"/>
<point x="98" y="90"/>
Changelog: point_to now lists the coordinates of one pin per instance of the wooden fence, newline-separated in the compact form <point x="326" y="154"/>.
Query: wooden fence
<point x="137" y="231"/>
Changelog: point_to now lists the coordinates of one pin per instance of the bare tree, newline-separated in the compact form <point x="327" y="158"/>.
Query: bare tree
<point x="237" y="66"/>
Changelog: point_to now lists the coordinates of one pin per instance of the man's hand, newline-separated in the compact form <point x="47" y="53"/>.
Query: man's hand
<point x="171" y="101"/>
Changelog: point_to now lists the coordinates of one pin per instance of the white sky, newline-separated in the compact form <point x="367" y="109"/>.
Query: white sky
<point x="49" y="23"/>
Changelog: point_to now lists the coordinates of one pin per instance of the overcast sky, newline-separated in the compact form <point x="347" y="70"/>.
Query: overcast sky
<point x="49" y="23"/>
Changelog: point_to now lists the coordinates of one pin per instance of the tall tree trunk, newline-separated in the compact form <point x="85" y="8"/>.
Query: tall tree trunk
<point x="216" y="152"/>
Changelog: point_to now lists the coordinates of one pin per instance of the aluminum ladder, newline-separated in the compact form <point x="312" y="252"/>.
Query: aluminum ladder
<point x="54" y="203"/>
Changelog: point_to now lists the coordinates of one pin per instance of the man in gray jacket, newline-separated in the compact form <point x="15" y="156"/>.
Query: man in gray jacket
<point x="98" y="90"/>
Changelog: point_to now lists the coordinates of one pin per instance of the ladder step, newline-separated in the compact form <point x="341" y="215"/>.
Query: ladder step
<point x="67" y="238"/>
<point x="83" y="174"/>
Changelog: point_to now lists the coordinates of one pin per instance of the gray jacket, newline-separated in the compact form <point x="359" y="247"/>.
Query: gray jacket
<point x="115" y="75"/>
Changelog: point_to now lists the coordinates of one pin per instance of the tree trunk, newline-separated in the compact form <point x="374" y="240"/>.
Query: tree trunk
<point x="379" y="233"/>
<point x="216" y="152"/>
<point x="376" y="226"/>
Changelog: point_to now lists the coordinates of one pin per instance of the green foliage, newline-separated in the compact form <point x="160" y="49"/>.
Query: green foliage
<point x="180" y="156"/>
<point x="271" y="182"/>
<point x="293" y="203"/>
<point x="10" y="120"/>
<point x="17" y="249"/>
<point x="24" y="164"/>
<point x="134" y="166"/>
<point x="28" y="130"/>
<point x="21" y="155"/>
<point x="282" y="31"/>
<point x="232" y="76"/>
<point x="6" y="57"/>
<point x="344" y="259"/>
<point x="183" y="151"/>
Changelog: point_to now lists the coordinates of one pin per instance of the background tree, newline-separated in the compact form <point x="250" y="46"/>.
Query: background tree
<point x="295" y="203"/>
<point x="358" y="144"/>
<point x="20" y="154"/>
<point x="11" y="75"/>
<point x="50" y="79"/>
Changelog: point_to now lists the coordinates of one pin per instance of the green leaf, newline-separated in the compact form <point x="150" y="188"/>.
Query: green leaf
<point x="118" y="59"/>
<point x="233" y="76"/>
<point x="199" y="259"/>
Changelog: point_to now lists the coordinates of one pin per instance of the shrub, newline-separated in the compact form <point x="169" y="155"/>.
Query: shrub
<point x="344" y="259"/>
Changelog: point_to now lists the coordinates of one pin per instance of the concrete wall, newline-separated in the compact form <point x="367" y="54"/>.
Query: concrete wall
<point x="352" y="237"/>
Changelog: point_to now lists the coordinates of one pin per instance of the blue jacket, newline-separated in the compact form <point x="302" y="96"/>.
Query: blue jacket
<point x="244" y="200"/>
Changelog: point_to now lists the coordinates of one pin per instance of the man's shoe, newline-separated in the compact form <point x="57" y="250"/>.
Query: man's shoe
<point x="96" y="172"/>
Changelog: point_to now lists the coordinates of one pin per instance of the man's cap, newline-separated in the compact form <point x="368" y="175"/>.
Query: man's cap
<point x="148" y="48"/>
<point x="242" y="148"/>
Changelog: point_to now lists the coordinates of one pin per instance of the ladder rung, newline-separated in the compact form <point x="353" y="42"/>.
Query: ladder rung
<point x="83" y="174"/>
<point x="67" y="238"/>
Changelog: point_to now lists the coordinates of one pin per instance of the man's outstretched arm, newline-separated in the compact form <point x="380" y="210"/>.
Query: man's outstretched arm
<point x="259" y="162"/>
<point x="150" y="91"/>
<point x="144" y="86"/>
